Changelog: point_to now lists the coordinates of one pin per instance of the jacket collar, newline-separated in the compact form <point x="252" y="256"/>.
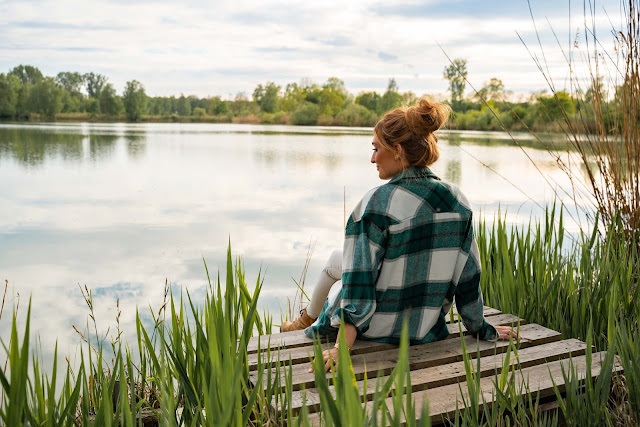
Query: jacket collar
<point x="414" y="172"/>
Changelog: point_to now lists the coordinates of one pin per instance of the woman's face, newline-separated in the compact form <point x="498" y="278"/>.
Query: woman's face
<point x="387" y="162"/>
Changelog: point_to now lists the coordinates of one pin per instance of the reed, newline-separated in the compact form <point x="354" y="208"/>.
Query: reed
<point x="190" y="366"/>
<point x="604" y="86"/>
<point x="537" y="275"/>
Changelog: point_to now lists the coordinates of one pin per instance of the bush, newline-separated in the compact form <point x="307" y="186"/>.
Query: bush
<point x="199" y="112"/>
<point x="281" y="118"/>
<point x="307" y="114"/>
<point x="267" y="118"/>
<point x="325" y="120"/>
<point x="356" y="115"/>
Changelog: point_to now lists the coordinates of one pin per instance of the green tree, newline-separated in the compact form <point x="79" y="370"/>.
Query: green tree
<point x="198" y="102"/>
<point x="369" y="100"/>
<point x="110" y="102"/>
<point x="267" y="97"/>
<point x="456" y="74"/>
<point x="46" y="98"/>
<point x="218" y="107"/>
<point x="596" y="92"/>
<point x="92" y="105"/>
<point x="332" y="96"/>
<point x="493" y="90"/>
<point x="22" y="103"/>
<point x="135" y="100"/>
<point x="9" y="87"/>
<point x="71" y="82"/>
<point x="293" y="97"/>
<point x="391" y="98"/>
<point x="241" y="105"/>
<point x="311" y="91"/>
<point x="72" y="103"/>
<point x="160" y="105"/>
<point x="184" y="106"/>
<point x="554" y="107"/>
<point x="27" y="74"/>
<point x="94" y="84"/>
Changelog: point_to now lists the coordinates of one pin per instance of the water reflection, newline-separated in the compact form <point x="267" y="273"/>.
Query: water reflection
<point x="332" y="162"/>
<point x="31" y="148"/>
<point x="324" y="157"/>
<point x="453" y="171"/>
<point x="136" y="145"/>
<point x="101" y="147"/>
<point x="497" y="139"/>
<point x="122" y="208"/>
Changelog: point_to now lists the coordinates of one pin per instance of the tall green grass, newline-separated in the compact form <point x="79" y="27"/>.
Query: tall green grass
<point x="586" y="288"/>
<point x="190" y="366"/>
<point x="587" y="285"/>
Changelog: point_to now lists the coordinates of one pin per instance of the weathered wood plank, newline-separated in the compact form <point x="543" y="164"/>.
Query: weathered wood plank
<point x="421" y="356"/>
<point x="302" y="354"/>
<point x="451" y="373"/>
<point x="299" y="339"/>
<point x="442" y="400"/>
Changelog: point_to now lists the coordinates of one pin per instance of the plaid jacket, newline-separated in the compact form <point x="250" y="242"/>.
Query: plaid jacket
<point x="409" y="251"/>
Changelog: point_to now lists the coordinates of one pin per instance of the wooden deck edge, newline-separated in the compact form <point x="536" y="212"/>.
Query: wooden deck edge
<point x="302" y="350"/>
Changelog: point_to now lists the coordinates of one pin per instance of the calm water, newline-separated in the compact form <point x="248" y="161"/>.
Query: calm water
<point x="122" y="208"/>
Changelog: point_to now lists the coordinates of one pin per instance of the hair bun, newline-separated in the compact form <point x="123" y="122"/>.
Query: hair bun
<point x="426" y="117"/>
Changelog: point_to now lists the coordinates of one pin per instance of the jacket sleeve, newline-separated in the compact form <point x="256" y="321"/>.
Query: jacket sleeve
<point x="363" y="252"/>
<point x="468" y="294"/>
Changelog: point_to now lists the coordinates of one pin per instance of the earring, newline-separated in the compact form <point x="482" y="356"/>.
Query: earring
<point x="396" y="157"/>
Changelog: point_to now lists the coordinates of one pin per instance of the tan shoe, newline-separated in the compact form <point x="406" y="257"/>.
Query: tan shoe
<point x="302" y="322"/>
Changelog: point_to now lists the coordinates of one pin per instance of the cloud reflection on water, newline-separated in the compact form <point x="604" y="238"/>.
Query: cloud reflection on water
<point x="121" y="208"/>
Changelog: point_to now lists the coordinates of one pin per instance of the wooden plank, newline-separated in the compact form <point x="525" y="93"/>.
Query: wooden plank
<point x="420" y="356"/>
<point x="302" y="353"/>
<point x="451" y="373"/>
<point x="442" y="400"/>
<point x="299" y="339"/>
<point x="538" y="377"/>
<point x="487" y="311"/>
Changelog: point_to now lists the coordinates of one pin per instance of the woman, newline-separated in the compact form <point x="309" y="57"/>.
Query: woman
<point x="409" y="249"/>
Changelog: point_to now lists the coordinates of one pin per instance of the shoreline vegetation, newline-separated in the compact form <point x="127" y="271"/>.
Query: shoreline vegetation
<point x="27" y="95"/>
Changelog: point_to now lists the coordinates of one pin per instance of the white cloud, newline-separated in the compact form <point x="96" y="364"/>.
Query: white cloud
<point x="224" y="47"/>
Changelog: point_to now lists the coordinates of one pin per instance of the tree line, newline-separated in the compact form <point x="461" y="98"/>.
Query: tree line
<point x="26" y="94"/>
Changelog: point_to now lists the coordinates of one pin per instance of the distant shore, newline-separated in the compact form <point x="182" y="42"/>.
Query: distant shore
<point x="104" y="118"/>
<point x="260" y="119"/>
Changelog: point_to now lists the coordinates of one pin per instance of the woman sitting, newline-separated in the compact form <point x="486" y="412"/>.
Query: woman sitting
<point x="409" y="248"/>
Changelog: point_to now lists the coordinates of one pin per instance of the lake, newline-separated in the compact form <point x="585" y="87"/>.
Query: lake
<point x="122" y="208"/>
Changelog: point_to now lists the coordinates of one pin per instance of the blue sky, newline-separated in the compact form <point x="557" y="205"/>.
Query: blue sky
<point x="225" y="47"/>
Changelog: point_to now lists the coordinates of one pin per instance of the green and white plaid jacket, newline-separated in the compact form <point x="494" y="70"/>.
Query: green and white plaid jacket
<point x="409" y="250"/>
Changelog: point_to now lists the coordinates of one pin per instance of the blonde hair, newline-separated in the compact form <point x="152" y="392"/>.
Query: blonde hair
<point x="413" y="129"/>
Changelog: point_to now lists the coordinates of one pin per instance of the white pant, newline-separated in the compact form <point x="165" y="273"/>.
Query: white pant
<point x="331" y="273"/>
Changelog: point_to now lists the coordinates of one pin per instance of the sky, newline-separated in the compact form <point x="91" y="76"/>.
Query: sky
<point x="224" y="47"/>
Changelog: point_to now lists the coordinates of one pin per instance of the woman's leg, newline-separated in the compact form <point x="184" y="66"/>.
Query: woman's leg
<point x="331" y="273"/>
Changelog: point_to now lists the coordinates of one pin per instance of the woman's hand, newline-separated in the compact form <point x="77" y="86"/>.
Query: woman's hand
<point x="328" y="356"/>
<point x="507" y="332"/>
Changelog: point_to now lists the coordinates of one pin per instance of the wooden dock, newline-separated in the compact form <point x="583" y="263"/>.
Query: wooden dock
<point x="437" y="369"/>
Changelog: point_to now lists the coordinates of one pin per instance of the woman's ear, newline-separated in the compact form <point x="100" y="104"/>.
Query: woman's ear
<point x="399" y="151"/>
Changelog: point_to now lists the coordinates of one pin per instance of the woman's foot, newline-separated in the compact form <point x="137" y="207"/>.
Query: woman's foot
<point x="302" y="322"/>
